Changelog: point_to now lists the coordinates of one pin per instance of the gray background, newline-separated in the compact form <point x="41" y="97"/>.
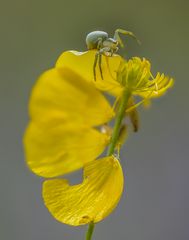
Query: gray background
<point x="155" y="204"/>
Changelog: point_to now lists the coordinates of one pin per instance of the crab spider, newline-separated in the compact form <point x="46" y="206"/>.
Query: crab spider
<point x="106" y="46"/>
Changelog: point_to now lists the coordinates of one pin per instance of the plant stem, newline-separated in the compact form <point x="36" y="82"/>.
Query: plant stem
<point x="118" y="120"/>
<point x="90" y="231"/>
<point x="113" y="141"/>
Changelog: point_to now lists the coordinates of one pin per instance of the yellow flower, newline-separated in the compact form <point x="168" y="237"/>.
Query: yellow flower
<point x="134" y="74"/>
<point x="66" y="112"/>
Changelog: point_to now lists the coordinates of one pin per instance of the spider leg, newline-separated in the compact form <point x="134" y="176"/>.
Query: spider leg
<point x="94" y="65"/>
<point x="117" y="37"/>
<point x="108" y="67"/>
<point x="103" y="51"/>
<point x="97" y="55"/>
<point x="111" y="52"/>
<point x="100" y="64"/>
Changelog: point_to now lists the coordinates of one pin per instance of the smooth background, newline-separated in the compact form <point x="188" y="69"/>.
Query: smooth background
<point x="33" y="33"/>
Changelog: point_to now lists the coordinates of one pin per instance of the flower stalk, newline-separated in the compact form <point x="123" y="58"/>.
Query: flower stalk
<point x="90" y="231"/>
<point x="113" y="141"/>
<point x="120" y="115"/>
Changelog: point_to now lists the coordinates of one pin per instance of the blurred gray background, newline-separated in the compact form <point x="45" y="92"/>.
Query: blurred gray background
<point x="155" y="204"/>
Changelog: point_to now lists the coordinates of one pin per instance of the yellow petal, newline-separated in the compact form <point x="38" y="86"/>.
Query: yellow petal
<point x="55" y="150"/>
<point x="83" y="62"/>
<point x="162" y="84"/>
<point x="92" y="200"/>
<point x="63" y="96"/>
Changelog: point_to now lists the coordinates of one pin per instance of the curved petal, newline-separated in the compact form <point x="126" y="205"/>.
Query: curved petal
<point x="92" y="200"/>
<point x="55" y="150"/>
<point x="161" y="84"/>
<point x="83" y="62"/>
<point x="64" y="96"/>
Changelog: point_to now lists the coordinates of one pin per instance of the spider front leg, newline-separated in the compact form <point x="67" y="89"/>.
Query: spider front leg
<point x="117" y="37"/>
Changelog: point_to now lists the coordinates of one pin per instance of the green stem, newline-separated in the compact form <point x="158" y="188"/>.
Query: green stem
<point x="113" y="141"/>
<point x="90" y="231"/>
<point x="118" y="120"/>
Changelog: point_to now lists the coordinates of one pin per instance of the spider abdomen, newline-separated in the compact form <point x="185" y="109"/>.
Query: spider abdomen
<point x="93" y="38"/>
